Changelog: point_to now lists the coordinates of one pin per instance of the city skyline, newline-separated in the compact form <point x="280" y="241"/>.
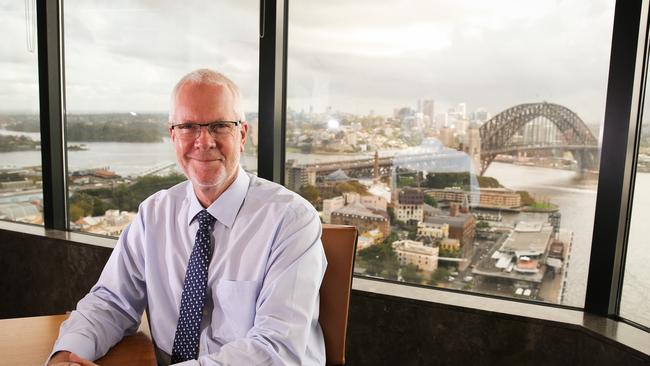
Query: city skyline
<point x="480" y="54"/>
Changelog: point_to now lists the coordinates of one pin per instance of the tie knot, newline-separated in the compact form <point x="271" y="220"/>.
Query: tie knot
<point x="205" y="220"/>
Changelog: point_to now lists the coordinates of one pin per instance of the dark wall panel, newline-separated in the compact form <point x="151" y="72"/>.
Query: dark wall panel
<point x="43" y="276"/>
<point x="47" y="275"/>
<point x="386" y="330"/>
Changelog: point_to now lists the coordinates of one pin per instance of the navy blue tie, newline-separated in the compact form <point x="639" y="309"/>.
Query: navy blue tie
<point x="186" y="339"/>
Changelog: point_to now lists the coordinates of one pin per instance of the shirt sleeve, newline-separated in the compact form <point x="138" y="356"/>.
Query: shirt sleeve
<point x="287" y="307"/>
<point x="114" y="305"/>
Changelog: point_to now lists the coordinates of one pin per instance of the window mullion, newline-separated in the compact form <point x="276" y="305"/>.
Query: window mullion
<point x="51" y="99"/>
<point x="272" y="89"/>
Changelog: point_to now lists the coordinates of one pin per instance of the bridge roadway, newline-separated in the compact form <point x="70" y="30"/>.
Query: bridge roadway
<point x="155" y="169"/>
<point x="434" y="162"/>
<point x="426" y="161"/>
<point x="538" y="147"/>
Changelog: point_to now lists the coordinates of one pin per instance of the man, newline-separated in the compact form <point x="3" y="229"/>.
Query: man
<point x="249" y="294"/>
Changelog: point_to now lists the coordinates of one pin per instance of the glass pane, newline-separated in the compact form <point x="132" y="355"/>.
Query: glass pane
<point x="21" y="192"/>
<point x="461" y="138"/>
<point x="635" y="300"/>
<point x="122" y="60"/>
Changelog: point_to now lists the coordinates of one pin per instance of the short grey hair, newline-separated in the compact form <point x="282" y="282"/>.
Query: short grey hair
<point x="209" y="77"/>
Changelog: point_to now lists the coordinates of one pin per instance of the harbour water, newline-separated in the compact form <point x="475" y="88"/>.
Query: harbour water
<point x="576" y="199"/>
<point x="577" y="203"/>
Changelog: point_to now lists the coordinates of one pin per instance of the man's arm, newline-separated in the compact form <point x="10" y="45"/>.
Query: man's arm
<point x="287" y="305"/>
<point x="65" y="358"/>
<point x="114" y="305"/>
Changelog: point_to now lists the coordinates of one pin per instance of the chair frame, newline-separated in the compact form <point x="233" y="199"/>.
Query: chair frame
<point x="334" y="309"/>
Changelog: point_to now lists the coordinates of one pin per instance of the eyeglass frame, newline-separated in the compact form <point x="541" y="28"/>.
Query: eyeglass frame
<point x="207" y="125"/>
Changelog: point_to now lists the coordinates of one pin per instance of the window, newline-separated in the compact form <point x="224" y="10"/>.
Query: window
<point x="122" y="60"/>
<point x="21" y="193"/>
<point x="466" y="134"/>
<point x="635" y="299"/>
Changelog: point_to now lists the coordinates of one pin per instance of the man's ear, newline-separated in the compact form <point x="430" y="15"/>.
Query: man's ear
<point x="243" y="130"/>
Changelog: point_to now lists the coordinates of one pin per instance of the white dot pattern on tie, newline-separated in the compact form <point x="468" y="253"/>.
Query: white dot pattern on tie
<point x="186" y="339"/>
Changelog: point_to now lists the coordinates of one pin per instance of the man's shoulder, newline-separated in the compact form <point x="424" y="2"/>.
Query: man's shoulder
<point x="267" y="194"/>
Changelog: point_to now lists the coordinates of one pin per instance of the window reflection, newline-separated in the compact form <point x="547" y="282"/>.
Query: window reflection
<point x="460" y="139"/>
<point x="21" y="193"/>
<point x="122" y="61"/>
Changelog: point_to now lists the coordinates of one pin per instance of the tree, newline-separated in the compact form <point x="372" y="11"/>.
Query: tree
<point x="488" y="182"/>
<point x="526" y="198"/>
<point x="371" y="257"/>
<point x="430" y="201"/>
<point x="100" y="207"/>
<point x="123" y="197"/>
<point x="405" y="181"/>
<point x="391" y="214"/>
<point x="391" y="266"/>
<point x="439" y="275"/>
<point x="443" y="180"/>
<point x="410" y="273"/>
<point x="380" y="259"/>
<point x="76" y="212"/>
<point x="370" y="252"/>
<point x="374" y="268"/>
<point x="310" y="193"/>
<point x="450" y="252"/>
<point x="351" y="186"/>
<point x="83" y="204"/>
<point x="482" y="225"/>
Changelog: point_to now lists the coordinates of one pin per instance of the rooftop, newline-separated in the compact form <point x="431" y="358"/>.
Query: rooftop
<point x="457" y="220"/>
<point x="413" y="247"/>
<point x="528" y="238"/>
<point x="337" y="176"/>
<point x="358" y="209"/>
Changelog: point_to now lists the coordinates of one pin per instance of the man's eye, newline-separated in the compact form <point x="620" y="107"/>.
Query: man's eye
<point x="186" y="126"/>
<point x="220" y="126"/>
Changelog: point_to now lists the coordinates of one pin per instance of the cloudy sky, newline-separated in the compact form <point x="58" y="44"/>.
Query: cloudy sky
<point x="354" y="56"/>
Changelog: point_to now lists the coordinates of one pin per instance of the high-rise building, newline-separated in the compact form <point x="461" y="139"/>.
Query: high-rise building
<point x="473" y="139"/>
<point x="461" y="110"/>
<point x="297" y="176"/>
<point x="426" y="107"/>
<point x="481" y="115"/>
<point x="447" y="137"/>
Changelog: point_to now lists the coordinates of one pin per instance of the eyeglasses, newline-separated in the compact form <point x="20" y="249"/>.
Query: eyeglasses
<point x="217" y="129"/>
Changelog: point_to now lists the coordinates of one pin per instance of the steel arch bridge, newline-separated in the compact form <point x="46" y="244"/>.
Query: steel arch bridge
<point x="497" y="132"/>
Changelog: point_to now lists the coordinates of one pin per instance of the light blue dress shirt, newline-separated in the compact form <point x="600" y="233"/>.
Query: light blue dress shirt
<point x="263" y="282"/>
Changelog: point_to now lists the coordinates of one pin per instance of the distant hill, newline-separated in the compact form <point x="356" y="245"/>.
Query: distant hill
<point x="112" y="127"/>
<point x="18" y="143"/>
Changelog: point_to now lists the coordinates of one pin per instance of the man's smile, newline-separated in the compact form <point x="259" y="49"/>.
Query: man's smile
<point x="205" y="160"/>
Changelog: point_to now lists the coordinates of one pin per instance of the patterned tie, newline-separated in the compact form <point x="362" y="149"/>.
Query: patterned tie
<point x="186" y="340"/>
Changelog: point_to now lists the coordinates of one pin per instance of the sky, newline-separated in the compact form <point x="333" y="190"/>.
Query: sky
<point x="352" y="56"/>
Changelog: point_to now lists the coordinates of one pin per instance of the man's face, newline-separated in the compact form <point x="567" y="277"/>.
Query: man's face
<point x="207" y="161"/>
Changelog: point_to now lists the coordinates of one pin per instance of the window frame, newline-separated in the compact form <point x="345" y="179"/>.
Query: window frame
<point x="49" y="29"/>
<point x="615" y="182"/>
<point x="626" y="84"/>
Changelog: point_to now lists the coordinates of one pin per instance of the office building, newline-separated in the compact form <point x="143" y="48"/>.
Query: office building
<point x="424" y="257"/>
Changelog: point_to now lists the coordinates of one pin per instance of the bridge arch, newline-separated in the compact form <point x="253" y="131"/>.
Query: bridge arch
<point x="497" y="132"/>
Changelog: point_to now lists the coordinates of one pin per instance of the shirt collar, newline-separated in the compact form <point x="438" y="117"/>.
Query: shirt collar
<point x="226" y="207"/>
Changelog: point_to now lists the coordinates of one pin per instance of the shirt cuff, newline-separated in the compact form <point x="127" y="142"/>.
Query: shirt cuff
<point x="76" y="343"/>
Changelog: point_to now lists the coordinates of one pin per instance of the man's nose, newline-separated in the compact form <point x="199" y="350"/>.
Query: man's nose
<point x="204" y="138"/>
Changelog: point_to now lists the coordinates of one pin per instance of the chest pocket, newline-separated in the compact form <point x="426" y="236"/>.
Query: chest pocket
<point x="234" y="310"/>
